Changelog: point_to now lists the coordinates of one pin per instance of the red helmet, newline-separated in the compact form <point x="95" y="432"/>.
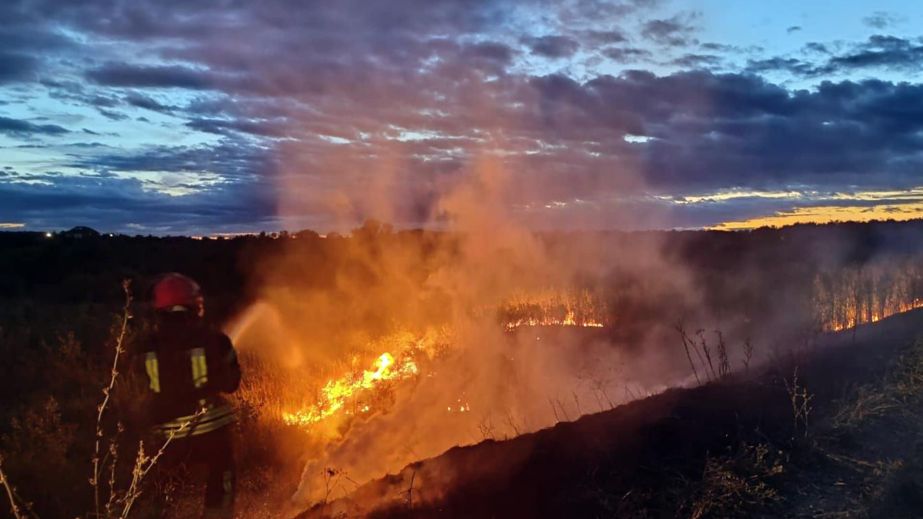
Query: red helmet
<point x="177" y="293"/>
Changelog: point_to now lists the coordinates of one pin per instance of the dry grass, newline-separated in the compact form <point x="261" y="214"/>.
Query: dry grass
<point x="735" y="484"/>
<point x="893" y="393"/>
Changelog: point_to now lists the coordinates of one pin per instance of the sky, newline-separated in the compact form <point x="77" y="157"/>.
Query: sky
<point x="194" y="117"/>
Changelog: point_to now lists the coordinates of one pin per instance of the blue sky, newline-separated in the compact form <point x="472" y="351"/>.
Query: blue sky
<point x="170" y="117"/>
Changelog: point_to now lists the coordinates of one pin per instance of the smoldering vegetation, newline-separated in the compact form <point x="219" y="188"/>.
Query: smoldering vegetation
<point x="491" y="333"/>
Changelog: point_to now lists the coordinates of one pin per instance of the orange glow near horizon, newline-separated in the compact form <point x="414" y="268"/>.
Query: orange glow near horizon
<point x="828" y="214"/>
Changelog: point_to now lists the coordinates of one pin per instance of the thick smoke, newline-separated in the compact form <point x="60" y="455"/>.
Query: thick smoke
<point x="438" y="298"/>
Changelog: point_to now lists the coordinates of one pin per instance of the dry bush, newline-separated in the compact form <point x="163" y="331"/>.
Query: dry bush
<point x="867" y="402"/>
<point x="899" y="387"/>
<point x="732" y="485"/>
<point x="800" y="399"/>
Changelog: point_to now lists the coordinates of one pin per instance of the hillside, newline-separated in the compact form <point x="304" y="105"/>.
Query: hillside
<point x="729" y="448"/>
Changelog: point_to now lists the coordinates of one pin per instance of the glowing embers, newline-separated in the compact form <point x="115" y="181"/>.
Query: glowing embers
<point x="553" y="308"/>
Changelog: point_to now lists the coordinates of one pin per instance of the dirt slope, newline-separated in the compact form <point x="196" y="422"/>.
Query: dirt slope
<point x="729" y="448"/>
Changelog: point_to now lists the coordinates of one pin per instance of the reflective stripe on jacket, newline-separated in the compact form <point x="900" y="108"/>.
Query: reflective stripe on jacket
<point x="214" y="417"/>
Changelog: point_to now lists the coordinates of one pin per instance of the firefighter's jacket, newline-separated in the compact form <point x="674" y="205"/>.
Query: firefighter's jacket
<point x="188" y="366"/>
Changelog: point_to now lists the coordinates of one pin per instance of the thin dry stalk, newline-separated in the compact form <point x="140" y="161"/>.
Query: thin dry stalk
<point x="144" y="464"/>
<point x="563" y="409"/>
<point x="107" y="392"/>
<point x="705" y="349"/>
<point x="486" y="428"/>
<point x="748" y="354"/>
<point x="113" y="465"/>
<point x="10" y="494"/>
<point x="512" y="422"/>
<point x="685" y="338"/>
<point x="554" y="410"/>
<point x="630" y="393"/>
<point x="800" y="401"/>
<point x="724" y="365"/>
<point x="606" y="396"/>
<point x="413" y="476"/>
<point x="331" y="479"/>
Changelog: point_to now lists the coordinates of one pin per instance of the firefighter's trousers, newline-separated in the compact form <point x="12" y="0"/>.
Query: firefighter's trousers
<point x="214" y="451"/>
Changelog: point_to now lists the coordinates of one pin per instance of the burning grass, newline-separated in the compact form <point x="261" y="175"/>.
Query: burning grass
<point x="553" y="308"/>
<point x="361" y="385"/>
<point x="358" y="390"/>
<point x="849" y="297"/>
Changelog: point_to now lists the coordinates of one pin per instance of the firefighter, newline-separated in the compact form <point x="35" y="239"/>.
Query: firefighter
<point x="188" y="366"/>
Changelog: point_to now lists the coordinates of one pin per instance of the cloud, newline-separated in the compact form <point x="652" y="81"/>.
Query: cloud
<point x="25" y="129"/>
<point x="877" y="52"/>
<point x="142" y="101"/>
<point x="172" y="76"/>
<point x="553" y="46"/>
<point x="224" y="126"/>
<point x="16" y="67"/>
<point x="675" y="32"/>
<point x="124" y="205"/>
<point x="626" y="54"/>
<point x="735" y="129"/>
<point x="883" y="52"/>
<point x="880" y="20"/>
<point x="793" y="29"/>
<point x="697" y="61"/>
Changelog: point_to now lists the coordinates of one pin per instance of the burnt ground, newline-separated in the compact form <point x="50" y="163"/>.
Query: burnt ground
<point x="730" y="448"/>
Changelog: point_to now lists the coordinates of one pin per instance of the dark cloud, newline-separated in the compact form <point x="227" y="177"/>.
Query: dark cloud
<point x="553" y="46"/>
<point x="881" y="51"/>
<point x="791" y="65"/>
<point x="723" y="130"/>
<point x="626" y="54"/>
<point x="697" y="61"/>
<point x="817" y="47"/>
<point x="25" y="129"/>
<point x="676" y="31"/>
<point x="598" y="38"/>
<point x="226" y="126"/>
<point x="793" y="29"/>
<point x="142" y="101"/>
<point x="880" y="20"/>
<point x="232" y="159"/>
<point x="16" y="67"/>
<point x="126" y="205"/>
<point x="125" y="75"/>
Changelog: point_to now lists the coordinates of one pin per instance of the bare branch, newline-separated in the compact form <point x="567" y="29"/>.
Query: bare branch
<point x="10" y="494"/>
<point x="107" y="392"/>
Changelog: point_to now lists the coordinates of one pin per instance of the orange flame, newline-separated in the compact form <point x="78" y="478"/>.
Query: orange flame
<point x="348" y="394"/>
<point x="337" y="392"/>
<point x="553" y="309"/>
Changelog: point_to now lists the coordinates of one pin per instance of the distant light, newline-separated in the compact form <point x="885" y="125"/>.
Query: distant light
<point x="637" y="139"/>
<point x="48" y="235"/>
